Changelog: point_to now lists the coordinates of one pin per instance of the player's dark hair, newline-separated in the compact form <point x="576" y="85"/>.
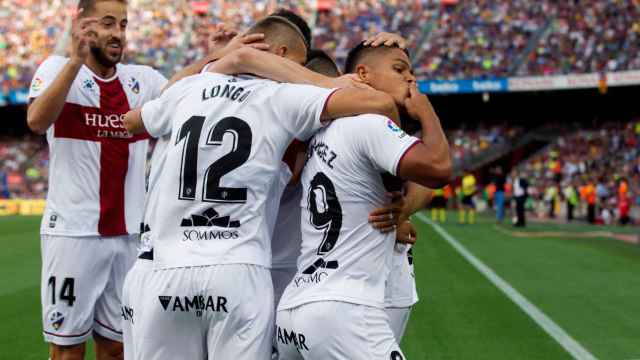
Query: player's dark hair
<point x="280" y="28"/>
<point x="357" y="53"/>
<point x="88" y="6"/>
<point x="320" y="62"/>
<point x="298" y="21"/>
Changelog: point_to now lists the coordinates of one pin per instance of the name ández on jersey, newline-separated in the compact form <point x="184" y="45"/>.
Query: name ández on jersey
<point x="323" y="152"/>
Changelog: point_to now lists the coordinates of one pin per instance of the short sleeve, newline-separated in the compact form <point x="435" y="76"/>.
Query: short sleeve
<point x="155" y="117"/>
<point x="159" y="82"/>
<point x="383" y="142"/>
<point x="45" y="75"/>
<point x="299" y="108"/>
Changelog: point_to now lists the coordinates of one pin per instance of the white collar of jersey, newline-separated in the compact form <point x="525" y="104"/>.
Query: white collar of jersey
<point x="113" y="77"/>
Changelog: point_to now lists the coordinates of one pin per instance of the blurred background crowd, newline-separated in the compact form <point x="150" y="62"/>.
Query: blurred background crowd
<point x="449" y="39"/>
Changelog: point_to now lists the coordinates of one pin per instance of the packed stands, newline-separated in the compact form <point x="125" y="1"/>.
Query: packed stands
<point x="603" y="159"/>
<point x="450" y="39"/>
<point x="23" y="167"/>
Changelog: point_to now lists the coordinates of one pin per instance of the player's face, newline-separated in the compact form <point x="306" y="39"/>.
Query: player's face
<point x="111" y="32"/>
<point x="391" y="73"/>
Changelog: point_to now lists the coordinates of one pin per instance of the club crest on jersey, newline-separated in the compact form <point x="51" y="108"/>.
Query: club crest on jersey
<point x="89" y="85"/>
<point x="56" y="319"/>
<point x="134" y="85"/>
<point x="37" y="84"/>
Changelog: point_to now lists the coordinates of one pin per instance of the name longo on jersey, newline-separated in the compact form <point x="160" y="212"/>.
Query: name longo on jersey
<point x="343" y="258"/>
<point x="228" y="136"/>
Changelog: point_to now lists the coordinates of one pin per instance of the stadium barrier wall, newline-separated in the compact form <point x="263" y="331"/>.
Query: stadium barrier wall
<point x="13" y="207"/>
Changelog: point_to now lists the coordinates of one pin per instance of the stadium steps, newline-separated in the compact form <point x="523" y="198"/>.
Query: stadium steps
<point x="519" y="66"/>
<point x="496" y="152"/>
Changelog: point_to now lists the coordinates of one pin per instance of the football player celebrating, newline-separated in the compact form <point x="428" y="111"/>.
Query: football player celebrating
<point x="228" y="136"/>
<point x="96" y="182"/>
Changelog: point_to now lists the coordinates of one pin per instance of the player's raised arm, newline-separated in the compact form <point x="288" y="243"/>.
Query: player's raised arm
<point x="428" y="163"/>
<point x="50" y="96"/>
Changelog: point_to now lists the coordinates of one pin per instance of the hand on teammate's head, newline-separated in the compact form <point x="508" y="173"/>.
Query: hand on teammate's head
<point x="386" y="39"/>
<point x="220" y="37"/>
<point x="255" y="41"/>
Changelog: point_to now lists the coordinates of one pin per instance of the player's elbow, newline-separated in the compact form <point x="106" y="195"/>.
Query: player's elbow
<point x="428" y="170"/>
<point x="35" y="122"/>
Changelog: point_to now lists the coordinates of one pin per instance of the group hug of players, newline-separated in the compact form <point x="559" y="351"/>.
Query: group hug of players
<point x="274" y="220"/>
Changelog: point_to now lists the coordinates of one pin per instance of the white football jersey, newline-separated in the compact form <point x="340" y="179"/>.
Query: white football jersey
<point x="96" y="168"/>
<point x="343" y="258"/>
<point x="158" y="158"/>
<point x="228" y="136"/>
<point x="401" y="286"/>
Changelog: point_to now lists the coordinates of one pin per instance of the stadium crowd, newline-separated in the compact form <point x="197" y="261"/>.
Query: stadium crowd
<point x="451" y="39"/>
<point x="597" y="172"/>
<point x="24" y="164"/>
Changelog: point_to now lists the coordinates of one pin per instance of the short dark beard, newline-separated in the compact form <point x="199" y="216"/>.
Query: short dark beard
<point x="102" y="58"/>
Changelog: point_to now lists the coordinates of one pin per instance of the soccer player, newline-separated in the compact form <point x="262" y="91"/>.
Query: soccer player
<point x="211" y="293"/>
<point x="468" y="209"/>
<point x="335" y="306"/>
<point x="381" y="62"/>
<point x="96" y="182"/>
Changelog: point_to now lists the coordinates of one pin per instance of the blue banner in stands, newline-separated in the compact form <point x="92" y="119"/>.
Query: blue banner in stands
<point x="463" y="86"/>
<point x="14" y="97"/>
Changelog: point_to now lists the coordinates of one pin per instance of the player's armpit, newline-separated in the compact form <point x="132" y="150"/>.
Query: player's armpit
<point x="133" y="122"/>
<point x="356" y="101"/>
<point x="419" y="165"/>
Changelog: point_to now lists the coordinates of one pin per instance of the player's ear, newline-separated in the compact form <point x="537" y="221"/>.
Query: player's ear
<point x="363" y="72"/>
<point x="282" y="50"/>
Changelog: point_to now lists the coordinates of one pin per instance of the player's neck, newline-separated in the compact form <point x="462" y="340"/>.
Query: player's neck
<point x="99" y="69"/>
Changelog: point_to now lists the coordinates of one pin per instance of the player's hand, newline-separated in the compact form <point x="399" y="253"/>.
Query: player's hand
<point x="344" y="81"/>
<point x="255" y="41"/>
<point x="417" y="103"/>
<point x="386" y="39"/>
<point x="83" y="36"/>
<point x="386" y="218"/>
<point x="220" y="37"/>
<point x="406" y="233"/>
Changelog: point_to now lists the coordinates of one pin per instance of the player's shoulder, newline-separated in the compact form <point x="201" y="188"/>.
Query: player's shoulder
<point x="54" y="61"/>
<point x="142" y="71"/>
<point x="365" y="123"/>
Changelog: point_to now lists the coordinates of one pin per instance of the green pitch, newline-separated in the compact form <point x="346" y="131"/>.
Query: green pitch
<point x="590" y="287"/>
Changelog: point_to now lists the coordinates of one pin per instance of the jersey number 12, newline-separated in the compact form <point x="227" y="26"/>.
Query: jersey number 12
<point x="191" y="131"/>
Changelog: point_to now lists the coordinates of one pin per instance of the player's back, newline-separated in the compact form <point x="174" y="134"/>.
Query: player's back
<point x="343" y="258"/>
<point x="228" y="136"/>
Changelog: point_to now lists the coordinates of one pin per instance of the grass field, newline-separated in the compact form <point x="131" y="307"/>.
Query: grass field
<point x="590" y="287"/>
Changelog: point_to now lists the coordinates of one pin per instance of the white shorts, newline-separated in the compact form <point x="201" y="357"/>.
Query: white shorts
<point x="81" y="286"/>
<point x="206" y="312"/>
<point x="327" y="330"/>
<point x="132" y="296"/>
<point x="398" y="320"/>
